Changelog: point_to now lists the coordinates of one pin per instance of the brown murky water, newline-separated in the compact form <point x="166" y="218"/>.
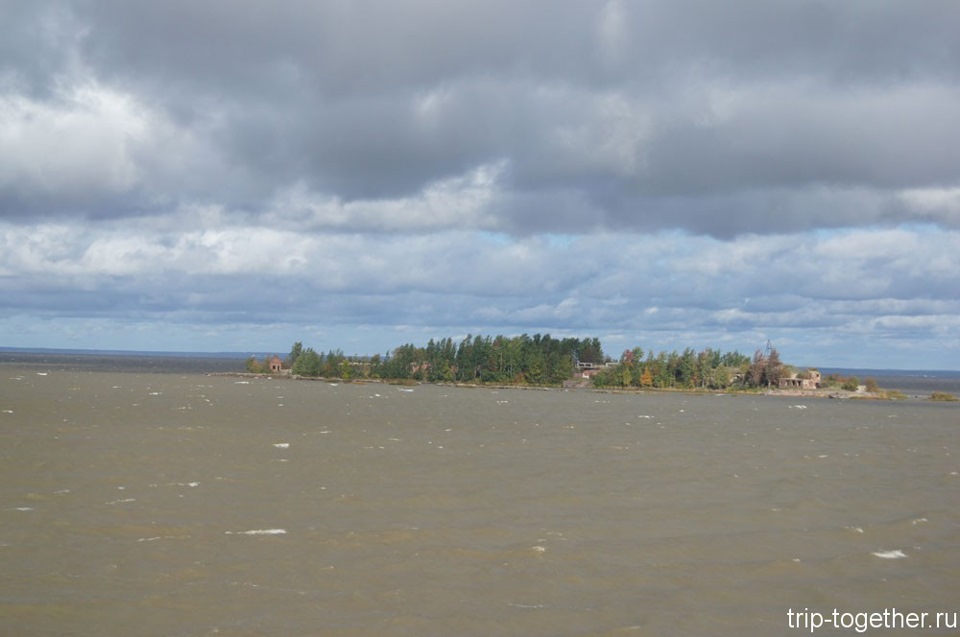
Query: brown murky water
<point x="169" y="505"/>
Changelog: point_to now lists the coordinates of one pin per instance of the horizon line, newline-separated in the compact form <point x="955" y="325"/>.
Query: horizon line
<point x="241" y="354"/>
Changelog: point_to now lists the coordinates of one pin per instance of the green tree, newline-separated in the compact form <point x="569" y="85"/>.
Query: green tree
<point x="773" y="370"/>
<point x="544" y="360"/>
<point x="254" y="366"/>
<point x="626" y="377"/>
<point x="755" y="375"/>
<point x="330" y="364"/>
<point x="294" y="354"/>
<point x="606" y="377"/>
<point x="590" y="351"/>
<point x="686" y="368"/>
<point x="734" y="359"/>
<point x="719" y="378"/>
<point x="401" y="363"/>
<point x="662" y="374"/>
<point x="374" y="366"/>
<point x="308" y="363"/>
<point x="466" y="366"/>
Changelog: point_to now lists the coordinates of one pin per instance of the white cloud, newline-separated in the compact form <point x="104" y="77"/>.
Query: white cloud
<point x="607" y="138"/>
<point x="934" y="204"/>
<point x="463" y="201"/>
<point x="84" y="140"/>
<point x="612" y="33"/>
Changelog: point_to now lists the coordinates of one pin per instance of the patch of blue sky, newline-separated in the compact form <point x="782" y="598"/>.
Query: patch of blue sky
<point x="913" y="227"/>
<point x="496" y="238"/>
<point x="560" y="240"/>
<point x="552" y="239"/>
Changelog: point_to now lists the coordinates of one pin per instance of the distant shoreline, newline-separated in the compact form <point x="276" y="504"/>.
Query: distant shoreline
<point x="242" y="356"/>
<point x="66" y="351"/>
<point x="886" y="394"/>
<point x="122" y="363"/>
<point x="913" y="383"/>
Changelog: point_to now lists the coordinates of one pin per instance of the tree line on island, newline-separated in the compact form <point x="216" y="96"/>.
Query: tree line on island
<point x="540" y="360"/>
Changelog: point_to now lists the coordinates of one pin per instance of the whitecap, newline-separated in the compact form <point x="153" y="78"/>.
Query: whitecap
<point x="895" y="554"/>
<point x="282" y="445"/>
<point x="258" y="532"/>
<point x="242" y="382"/>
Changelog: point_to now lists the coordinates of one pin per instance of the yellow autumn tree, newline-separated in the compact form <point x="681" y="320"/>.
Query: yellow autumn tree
<point x="646" y="378"/>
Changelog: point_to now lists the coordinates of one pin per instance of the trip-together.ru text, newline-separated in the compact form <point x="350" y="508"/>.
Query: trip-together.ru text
<point x="861" y="622"/>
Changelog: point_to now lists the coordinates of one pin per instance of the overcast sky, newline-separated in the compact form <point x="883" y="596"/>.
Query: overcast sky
<point x="236" y="175"/>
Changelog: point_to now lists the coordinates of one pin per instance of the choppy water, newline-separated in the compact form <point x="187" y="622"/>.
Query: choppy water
<point x="168" y="505"/>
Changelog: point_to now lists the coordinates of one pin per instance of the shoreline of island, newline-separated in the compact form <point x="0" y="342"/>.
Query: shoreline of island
<point x="820" y="394"/>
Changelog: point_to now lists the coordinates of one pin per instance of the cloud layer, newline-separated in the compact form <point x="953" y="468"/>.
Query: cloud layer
<point x="651" y="171"/>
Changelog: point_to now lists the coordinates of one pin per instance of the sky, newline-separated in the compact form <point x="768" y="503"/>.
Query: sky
<point x="214" y="175"/>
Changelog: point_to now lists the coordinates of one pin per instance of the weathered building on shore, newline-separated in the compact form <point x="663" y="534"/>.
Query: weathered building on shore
<point x="807" y="380"/>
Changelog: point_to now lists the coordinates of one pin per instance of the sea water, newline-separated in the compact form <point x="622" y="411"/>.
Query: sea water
<point x="183" y="504"/>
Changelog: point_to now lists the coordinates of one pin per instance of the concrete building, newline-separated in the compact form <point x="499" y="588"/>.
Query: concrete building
<point x="809" y="380"/>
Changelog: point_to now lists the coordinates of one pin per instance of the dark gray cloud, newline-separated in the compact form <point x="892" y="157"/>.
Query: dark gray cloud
<point x="646" y="115"/>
